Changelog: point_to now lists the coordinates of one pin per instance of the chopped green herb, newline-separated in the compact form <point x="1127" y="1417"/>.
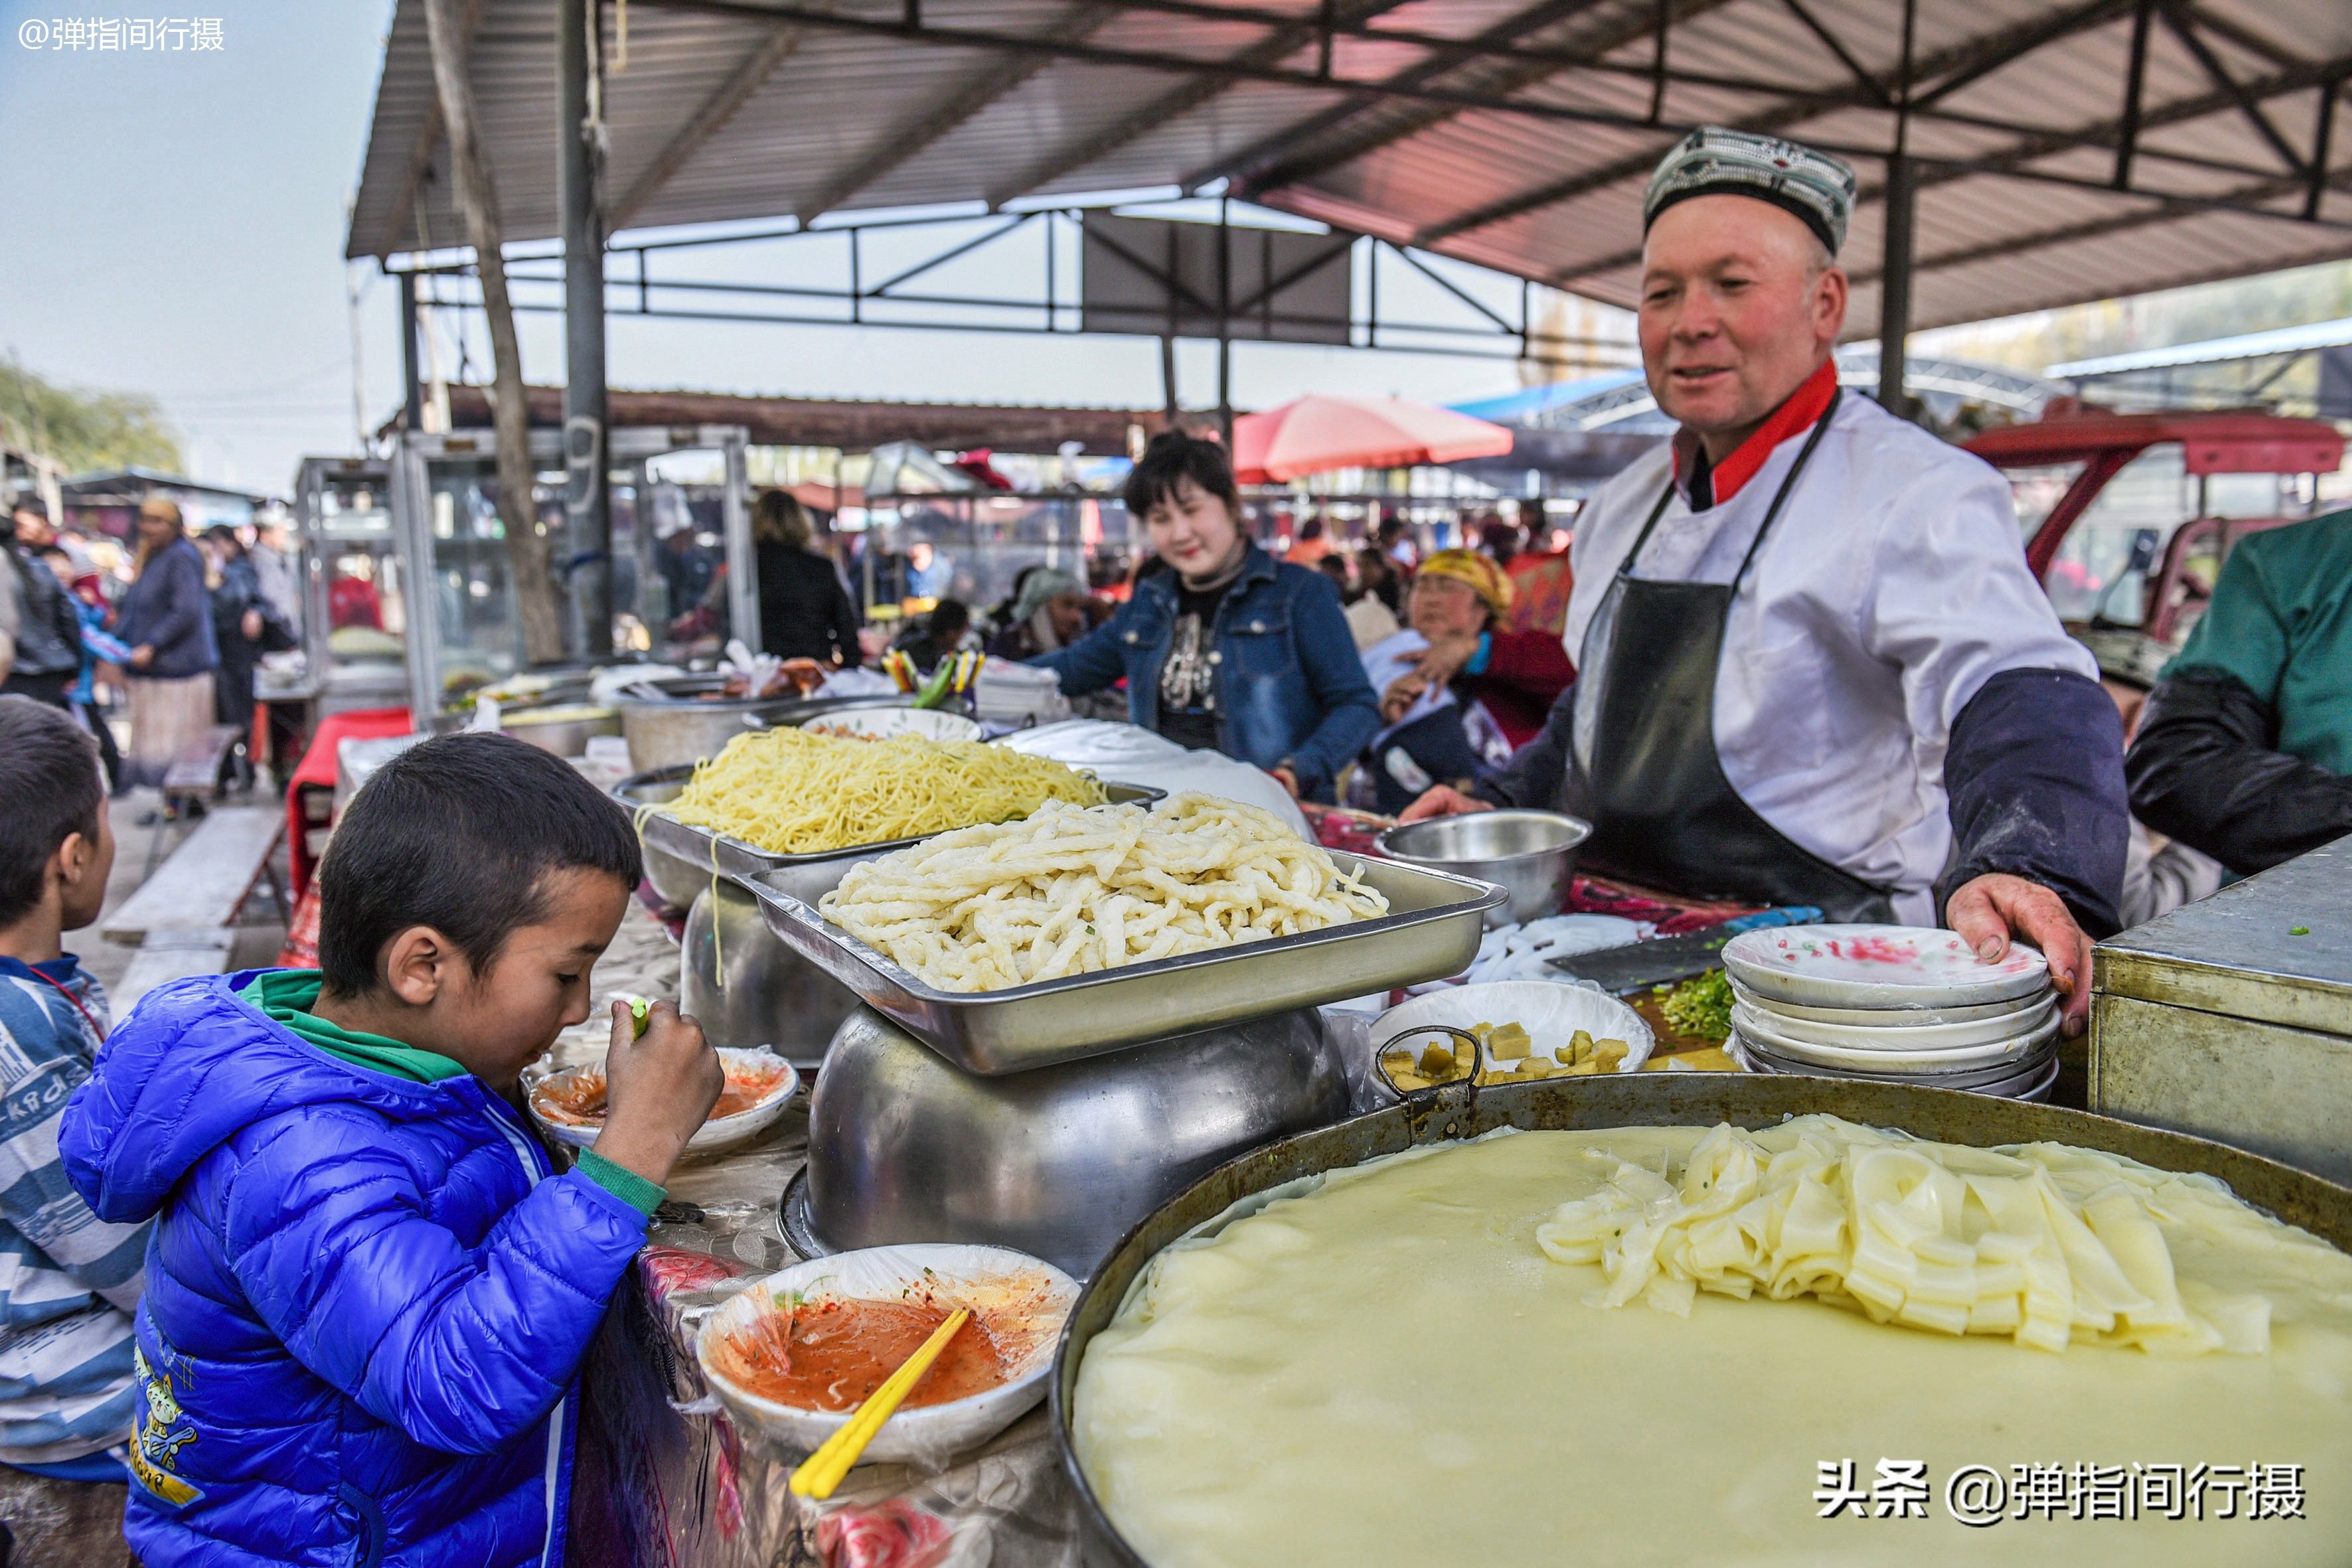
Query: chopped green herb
<point x="1700" y="1008"/>
<point x="2298" y="930"/>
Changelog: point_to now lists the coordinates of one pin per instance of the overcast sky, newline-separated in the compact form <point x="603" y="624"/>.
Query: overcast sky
<point x="172" y="223"/>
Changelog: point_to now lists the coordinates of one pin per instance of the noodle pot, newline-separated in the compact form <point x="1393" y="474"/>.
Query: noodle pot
<point x="747" y="989"/>
<point x="1462" y="1110"/>
<point x="1059" y="1162"/>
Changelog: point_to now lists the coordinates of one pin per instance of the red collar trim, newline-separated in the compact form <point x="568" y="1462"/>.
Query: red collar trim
<point x="1802" y="410"/>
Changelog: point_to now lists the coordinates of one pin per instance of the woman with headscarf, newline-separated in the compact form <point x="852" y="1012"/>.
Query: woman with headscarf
<point x="1047" y="615"/>
<point x="1460" y="640"/>
<point x="804" y="611"/>
<point x="166" y="620"/>
<point x="1460" y="691"/>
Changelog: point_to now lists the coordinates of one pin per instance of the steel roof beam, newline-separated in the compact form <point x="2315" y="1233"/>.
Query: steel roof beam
<point x="1236" y="68"/>
<point x="1444" y="59"/>
<point x="2103" y="134"/>
<point x="428" y="138"/>
<point x="1949" y="69"/>
<point x="990" y="83"/>
<point x="2187" y="32"/>
<point x="2243" y="199"/>
<point x="1835" y="46"/>
<point x="1215" y="77"/>
<point x="1508" y="78"/>
<point x="707" y="121"/>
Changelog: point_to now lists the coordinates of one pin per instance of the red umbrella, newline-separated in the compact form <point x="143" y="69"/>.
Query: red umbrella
<point x="1316" y="435"/>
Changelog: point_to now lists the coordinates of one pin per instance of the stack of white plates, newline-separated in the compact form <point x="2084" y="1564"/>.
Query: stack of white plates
<point x="1892" y="1005"/>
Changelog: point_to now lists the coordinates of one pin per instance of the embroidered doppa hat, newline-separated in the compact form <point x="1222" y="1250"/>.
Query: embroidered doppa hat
<point x="1714" y="161"/>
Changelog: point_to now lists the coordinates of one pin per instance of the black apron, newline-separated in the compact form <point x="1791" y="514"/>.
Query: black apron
<point x="1661" y="812"/>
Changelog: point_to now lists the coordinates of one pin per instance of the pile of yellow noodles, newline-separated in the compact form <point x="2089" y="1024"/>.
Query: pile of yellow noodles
<point x="793" y="793"/>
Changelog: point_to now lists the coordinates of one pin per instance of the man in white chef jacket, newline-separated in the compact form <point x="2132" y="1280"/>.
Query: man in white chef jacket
<point x="1812" y="666"/>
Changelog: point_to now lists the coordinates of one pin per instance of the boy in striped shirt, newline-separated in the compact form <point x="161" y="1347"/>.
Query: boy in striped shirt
<point x="68" y="1282"/>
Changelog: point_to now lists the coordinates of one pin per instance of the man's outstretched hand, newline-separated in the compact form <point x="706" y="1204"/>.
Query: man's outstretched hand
<point x="1443" y="801"/>
<point x="1987" y="910"/>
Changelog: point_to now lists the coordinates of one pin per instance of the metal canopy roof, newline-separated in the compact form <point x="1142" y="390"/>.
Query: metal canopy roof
<point x="2066" y="150"/>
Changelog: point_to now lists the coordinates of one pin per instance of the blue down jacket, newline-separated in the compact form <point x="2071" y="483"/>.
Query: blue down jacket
<point x="367" y="1300"/>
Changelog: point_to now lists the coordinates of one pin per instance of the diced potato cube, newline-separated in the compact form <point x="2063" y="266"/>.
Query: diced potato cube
<point x="1565" y="1055"/>
<point x="1612" y="1052"/>
<point x="1508" y="1046"/>
<point x="1581" y="1044"/>
<point x="1437" y="1062"/>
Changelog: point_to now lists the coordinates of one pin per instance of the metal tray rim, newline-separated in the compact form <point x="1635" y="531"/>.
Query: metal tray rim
<point x="1485" y="896"/>
<point x="686" y="841"/>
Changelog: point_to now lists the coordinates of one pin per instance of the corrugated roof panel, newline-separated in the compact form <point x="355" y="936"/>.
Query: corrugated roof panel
<point x="908" y="123"/>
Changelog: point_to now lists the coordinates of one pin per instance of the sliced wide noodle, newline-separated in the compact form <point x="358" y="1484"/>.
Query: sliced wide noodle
<point x="2042" y="1243"/>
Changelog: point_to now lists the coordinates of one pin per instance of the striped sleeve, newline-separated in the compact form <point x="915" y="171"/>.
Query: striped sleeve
<point x="69" y="1280"/>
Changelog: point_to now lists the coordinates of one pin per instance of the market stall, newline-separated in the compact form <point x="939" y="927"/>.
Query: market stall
<point x="461" y="628"/>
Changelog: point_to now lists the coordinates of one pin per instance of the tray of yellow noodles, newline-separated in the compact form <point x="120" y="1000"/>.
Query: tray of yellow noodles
<point x="796" y="806"/>
<point x="1692" y="1319"/>
<point x="1077" y="930"/>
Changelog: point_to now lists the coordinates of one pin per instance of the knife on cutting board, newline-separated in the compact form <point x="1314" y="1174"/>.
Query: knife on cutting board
<point x="1639" y="965"/>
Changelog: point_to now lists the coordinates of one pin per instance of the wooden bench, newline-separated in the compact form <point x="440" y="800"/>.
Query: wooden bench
<point x="208" y="877"/>
<point x="193" y="779"/>
<point x="169" y="952"/>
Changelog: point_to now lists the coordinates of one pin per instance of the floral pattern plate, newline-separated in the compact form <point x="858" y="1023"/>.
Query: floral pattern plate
<point x="1878" y="967"/>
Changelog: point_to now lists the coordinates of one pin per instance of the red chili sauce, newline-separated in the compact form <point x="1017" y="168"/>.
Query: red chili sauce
<point x="581" y="1098"/>
<point x="832" y="1354"/>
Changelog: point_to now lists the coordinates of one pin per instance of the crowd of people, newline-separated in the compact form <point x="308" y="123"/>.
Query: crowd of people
<point x="173" y="633"/>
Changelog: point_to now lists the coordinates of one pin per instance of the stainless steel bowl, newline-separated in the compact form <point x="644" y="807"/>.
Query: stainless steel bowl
<point x="748" y="989"/>
<point x="1528" y="853"/>
<point x="687" y="718"/>
<point x="1061" y="1161"/>
<point x="567" y="733"/>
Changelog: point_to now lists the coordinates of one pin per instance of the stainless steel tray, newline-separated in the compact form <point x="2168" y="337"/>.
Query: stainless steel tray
<point x="681" y="858"/>
<point x="1431" y="932"/>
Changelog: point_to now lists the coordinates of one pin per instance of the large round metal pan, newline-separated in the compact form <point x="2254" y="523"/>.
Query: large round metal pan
<point x="1457" y="1112"/>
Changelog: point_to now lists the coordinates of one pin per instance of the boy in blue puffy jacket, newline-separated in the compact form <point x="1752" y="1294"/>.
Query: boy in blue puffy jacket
<point x="368" y="1293"/>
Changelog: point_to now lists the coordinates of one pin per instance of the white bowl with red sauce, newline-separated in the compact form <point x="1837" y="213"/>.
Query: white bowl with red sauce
<point x="793" y="1354"/>
<point x="569" y="1106"/>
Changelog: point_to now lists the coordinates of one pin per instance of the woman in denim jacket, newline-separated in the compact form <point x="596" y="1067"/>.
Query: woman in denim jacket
<point x="1223" y="647"/>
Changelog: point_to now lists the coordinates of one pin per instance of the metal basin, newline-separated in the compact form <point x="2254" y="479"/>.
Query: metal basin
<point x="1637" y="1100"/>
<point x="747" y="989"/>
<point x="1061" y="1161"/>
<point x="1530" y="853"/>
<point x="687" y="718"/>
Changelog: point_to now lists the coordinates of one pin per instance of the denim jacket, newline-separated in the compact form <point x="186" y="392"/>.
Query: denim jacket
<point x="1289" y="687"/>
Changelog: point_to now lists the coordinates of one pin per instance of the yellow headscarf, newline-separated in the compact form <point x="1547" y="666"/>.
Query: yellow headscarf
<point x="1486" y="579"/>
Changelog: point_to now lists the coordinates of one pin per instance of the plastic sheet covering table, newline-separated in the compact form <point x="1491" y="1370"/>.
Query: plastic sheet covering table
<point x="666" y="1479"/>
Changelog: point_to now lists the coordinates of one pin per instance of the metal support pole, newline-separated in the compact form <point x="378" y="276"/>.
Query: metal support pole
<point x="1168" y="379"/>
<point x="1895" y="286"/>
<point x="587" y="509"/>
<point x="412" y="400"/>
<point x="1224" y="324"/>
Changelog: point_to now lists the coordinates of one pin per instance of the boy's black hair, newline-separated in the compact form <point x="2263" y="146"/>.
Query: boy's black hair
<point x="50" y="782"/>
<point x="459" y="833"/>
<point x="1171" y="457"/>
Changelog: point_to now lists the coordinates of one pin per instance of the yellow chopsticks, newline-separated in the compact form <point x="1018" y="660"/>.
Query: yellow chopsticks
<point x="824" y="1470"/>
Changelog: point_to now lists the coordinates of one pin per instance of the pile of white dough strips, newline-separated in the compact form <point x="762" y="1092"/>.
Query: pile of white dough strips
<point x="2041" y="1242"/>
<point x="1070" y="891"/>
